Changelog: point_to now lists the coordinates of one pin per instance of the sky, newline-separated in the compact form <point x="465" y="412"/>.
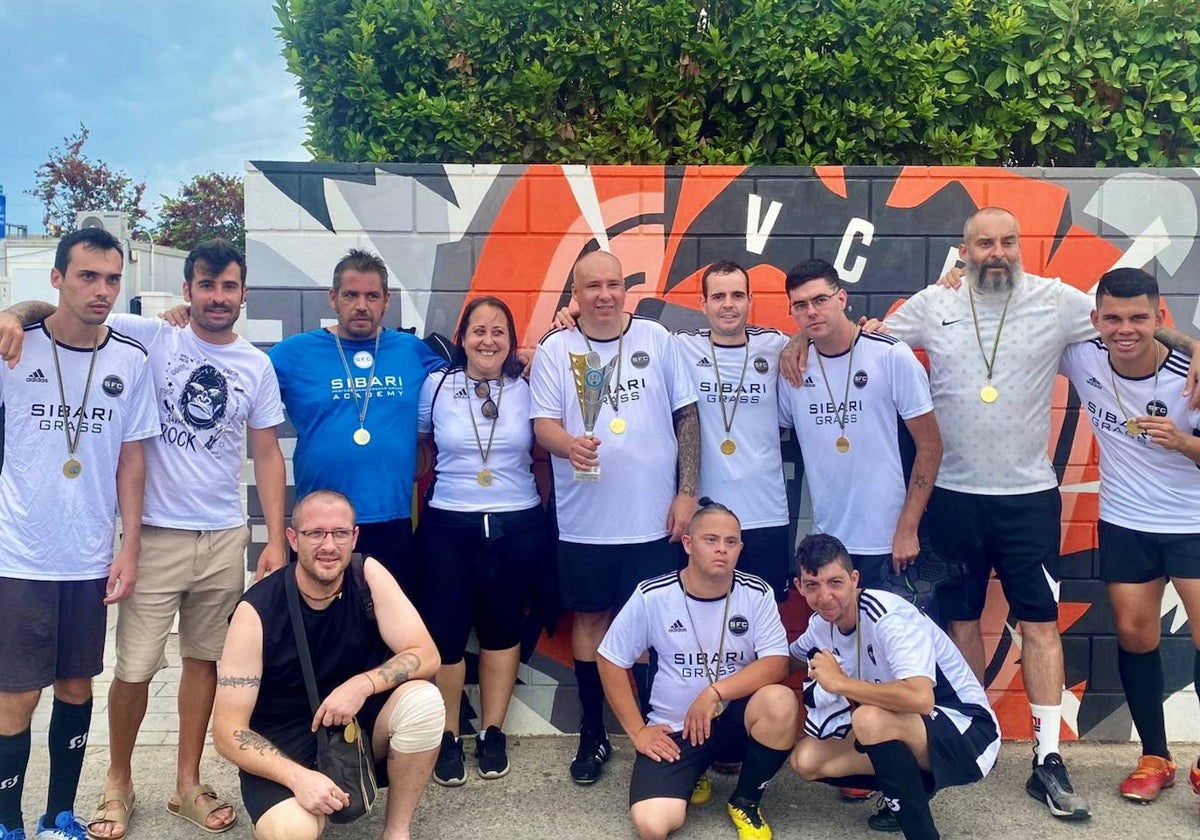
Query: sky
<point x="168" y="89"/>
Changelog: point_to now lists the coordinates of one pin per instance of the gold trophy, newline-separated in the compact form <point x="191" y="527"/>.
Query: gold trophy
<point x="591" y="384"/>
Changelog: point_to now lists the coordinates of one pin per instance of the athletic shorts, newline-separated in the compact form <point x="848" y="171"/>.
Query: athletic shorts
<point x="53" y="630"/>
<point x="675" y="779"/>
<point x="872" y="569"/>
<point x="601" y="577"/>
<point x="765" y="552"/>
<point x="1017" y="536"/>
<point x="477" y="576"/>
<point x="198" y="575"/>
<point x="1128" y="556"/>
<point x="391" y="543"/>
<point x="960" y="758"/>
<point x="260" y="795"/>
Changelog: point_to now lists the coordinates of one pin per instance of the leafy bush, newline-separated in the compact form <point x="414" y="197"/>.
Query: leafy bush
<point x="790" y="82"/>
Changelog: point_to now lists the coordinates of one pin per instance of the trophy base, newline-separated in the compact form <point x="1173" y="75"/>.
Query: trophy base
<point x="588" y="476"/>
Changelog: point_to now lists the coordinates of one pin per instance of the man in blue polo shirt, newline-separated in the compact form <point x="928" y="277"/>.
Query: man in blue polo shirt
<point x="351" y="392"/>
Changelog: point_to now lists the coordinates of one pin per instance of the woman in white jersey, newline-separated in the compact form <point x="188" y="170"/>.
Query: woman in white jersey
<point x="481" y="538"/>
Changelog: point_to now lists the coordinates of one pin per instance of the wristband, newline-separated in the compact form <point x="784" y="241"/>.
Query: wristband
<point x="371" y="681"/>
<point x="713" y="686"/>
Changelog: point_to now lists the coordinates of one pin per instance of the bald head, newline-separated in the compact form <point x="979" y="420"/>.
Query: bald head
<point x="995" y="214"/>
<point x="598" y="286"/>
<point x="592" y="262"/>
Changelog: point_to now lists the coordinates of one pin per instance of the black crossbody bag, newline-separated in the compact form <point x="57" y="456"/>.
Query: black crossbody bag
<point x="343" y="752"/>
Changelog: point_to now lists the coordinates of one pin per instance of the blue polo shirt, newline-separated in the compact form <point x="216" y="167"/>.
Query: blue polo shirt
<point x="317" y="394"/>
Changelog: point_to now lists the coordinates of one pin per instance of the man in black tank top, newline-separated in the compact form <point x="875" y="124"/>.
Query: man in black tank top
<point x="372" y="659"/>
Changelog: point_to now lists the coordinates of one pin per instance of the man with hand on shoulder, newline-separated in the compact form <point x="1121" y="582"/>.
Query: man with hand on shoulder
<point x="372" y="660"/>
<point x="717" y="693"/>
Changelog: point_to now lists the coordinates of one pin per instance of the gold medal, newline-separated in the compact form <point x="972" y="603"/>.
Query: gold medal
<point x="728" y="447"/>
<point x="72" y="468"/>
<point x="718" y="709"/>
<point x="362" y="437"/>
<point x="350" y="733"/>
<point x="1132" y="428"/>
<point x="842" y="444"/>
<point x="617" y="425"/>
<point x="485" y="478"/>
<point x="989" y="394"/>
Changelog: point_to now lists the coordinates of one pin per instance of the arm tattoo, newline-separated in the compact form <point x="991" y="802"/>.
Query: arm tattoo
<point x="687" y="433"/>
<point x="248" y="739"/>
<point x="31" y="311"/>
<point x="399" y="669"/>
<point x="1175" y="339"/>
<point x="920" y="481"/>
<point x="240" y="682"/>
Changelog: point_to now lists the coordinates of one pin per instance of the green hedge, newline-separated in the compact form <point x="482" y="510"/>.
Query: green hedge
<point x="1041" y="82"/>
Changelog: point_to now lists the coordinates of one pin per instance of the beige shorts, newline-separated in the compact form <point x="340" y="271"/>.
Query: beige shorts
<point x="198" y="574"/>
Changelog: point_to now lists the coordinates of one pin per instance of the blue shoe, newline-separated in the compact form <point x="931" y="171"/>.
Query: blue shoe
<point x="66" y="826"/>
<point x="12" y="833"/>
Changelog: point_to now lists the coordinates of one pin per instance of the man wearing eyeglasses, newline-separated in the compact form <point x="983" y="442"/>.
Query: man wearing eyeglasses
<point x="619" y="528"/>
<point x="845" y="415"/>
<point x="372" y="662"/>
<point x="351" y="392"/>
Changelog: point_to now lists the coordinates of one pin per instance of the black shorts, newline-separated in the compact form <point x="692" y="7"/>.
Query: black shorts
<point x="260" y="795"/>
<point x="1017" y="536"/>
<point x="477" y="570"/>
<point x="675" y="779"/>
<point x="54" y="630"/>
<point x="872" y="569"/>
<point x="1128" y="556"/>
<point x="765" y="553"/>
<point x="954" y="757"/>
<point x="600" y="577"/>
<point x="391" y="543"/>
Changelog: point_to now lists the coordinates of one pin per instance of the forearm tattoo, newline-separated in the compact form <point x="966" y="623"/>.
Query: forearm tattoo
<point x="240" y="682"/>
<point x="399" y="669"/>
<point x="687" y="433"/>
<point x="921" y="481"/>
<point x="1177" y="340"/>
<point x="249" y="740"/>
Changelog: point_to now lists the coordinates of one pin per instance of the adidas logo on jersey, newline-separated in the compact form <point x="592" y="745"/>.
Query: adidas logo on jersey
<point x="461" y="394"/>
<point x="677" y="627"/>
<point x="704" y="362"/>
<point x="808" y="382"/>
<point x="37" y="376"/>
<point x="1095" y="383"/>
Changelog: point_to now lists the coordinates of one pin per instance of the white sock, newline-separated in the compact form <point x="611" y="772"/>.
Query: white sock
<point x="482" y="735"/>
<point x="1046" y="722"/>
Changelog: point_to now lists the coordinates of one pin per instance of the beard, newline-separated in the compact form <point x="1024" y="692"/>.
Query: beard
<point x="993" y="275"/>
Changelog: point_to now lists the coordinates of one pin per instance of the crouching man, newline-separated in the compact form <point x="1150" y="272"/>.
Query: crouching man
<point x="371" y="663"/>
<point x="716" y="695"/>
<point x="918" y="719"/>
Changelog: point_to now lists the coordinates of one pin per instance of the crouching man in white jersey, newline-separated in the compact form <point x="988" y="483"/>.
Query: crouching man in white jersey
<point x="716" y="693"/>
<point x="918" y="718"/>
<point x="1132" y="387"/>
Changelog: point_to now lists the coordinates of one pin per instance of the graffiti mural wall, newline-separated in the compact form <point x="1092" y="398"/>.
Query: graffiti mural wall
<point x="452" y="232"/>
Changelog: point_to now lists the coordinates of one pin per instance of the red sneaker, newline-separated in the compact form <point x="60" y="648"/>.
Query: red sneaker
<point x="850" y="794"/>
<point x="1194" y="776"/>
<point x="1148" y="779"/>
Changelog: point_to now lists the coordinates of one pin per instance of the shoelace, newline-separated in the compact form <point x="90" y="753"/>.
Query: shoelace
<point x="1149" y="766"/>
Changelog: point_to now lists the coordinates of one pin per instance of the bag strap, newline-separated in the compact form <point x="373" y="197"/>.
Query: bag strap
<point x="361" y="589"/>
<point x="306" y="666"/>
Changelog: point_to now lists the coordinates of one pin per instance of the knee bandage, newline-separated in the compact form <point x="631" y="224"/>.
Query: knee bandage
<point x="418" y="720"/>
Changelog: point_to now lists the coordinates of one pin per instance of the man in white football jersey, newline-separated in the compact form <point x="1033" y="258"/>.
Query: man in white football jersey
<point x="1131" y="388"/>
<point x="78" y="405"/>
<point x="856" y="390"/>
<point x="215" y="391"/>
<point x="717" y="692"/>
<point x="920" y="720"/>
<point x="735" y="368"/>
<point x="618" y="527"/>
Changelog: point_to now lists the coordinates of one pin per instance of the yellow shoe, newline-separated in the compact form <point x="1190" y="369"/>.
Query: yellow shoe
<point x="702" y="792"/>
<point x="748" y="818"/>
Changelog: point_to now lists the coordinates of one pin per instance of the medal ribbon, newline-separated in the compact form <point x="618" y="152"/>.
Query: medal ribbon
<point x="989" y="362"/>
<point x="841" y="415"/>
<point x="728" y="421"/>
<point x="362" y="409"/>
<point x="484" y="453"/>
<point x="711" y="673"/>
<point x="73" y="444"/>
<point x="1113" y="377"/>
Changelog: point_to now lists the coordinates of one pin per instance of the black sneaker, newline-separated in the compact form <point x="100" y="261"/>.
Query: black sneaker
<point x="1050" y="783"/>
<point x="491" y="751"/>
<point x="884" y="818"/>
<point x="593" y="751"/>
<point x="450" y="771"/>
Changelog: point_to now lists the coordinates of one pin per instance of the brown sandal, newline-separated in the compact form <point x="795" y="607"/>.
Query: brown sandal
<point x="196" y="813"/>
<point x="118" y="815"/>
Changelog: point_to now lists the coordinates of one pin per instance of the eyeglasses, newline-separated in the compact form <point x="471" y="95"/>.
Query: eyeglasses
<point x="819" y="302"/>
<point x="489" y="409"/>
<point x="318" y="535"/>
